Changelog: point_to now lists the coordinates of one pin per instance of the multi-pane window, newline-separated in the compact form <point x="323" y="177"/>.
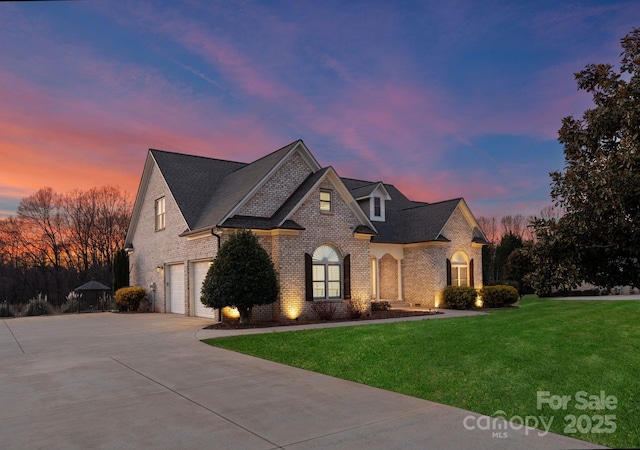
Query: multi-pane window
<point x="160" y="214"/>
<point x="325" y="200"/>
<point x="327" y="274"/>
<point x="459" y="276"/>
<point x="459" y="270"/>
<point x="319" y="281"/>
<point x="377" y="206"/>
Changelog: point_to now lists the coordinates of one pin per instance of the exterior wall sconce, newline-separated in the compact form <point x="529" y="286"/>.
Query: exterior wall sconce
<point x="160" y="269"/>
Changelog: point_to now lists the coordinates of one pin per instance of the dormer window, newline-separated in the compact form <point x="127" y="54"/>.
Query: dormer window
<point x="373" y="200"/>
<point x="377" y="207"/>
<point x="325" y="200"/>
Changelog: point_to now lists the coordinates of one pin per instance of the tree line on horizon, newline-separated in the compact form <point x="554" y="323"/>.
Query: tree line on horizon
<point x="591" y="232"/>
<point x="57" y="242"/>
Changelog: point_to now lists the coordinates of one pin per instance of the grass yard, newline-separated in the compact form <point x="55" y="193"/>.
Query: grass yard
<point x="489" y="363"/>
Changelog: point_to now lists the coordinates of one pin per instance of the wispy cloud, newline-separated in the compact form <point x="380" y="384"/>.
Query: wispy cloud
<point x="411" y="95"/>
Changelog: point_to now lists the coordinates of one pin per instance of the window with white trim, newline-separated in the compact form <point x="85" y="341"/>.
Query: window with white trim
<point x="160" y="214"/>
<point x="377" y="207"/>
<point x="326" y="274"/>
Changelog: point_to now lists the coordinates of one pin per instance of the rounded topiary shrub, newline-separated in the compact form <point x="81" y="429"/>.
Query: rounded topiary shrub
<point x="129" y="298"/>
<point x="498" y="296"/>
<point x="242" y="276"/>
<point x="458" y="297"/>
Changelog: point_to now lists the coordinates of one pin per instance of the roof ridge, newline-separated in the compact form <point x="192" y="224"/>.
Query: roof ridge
<point x="276" y="151"/>
<point x="359" y="179"/>
<point x="196" y="156"/>
<point x="432" y="204"/>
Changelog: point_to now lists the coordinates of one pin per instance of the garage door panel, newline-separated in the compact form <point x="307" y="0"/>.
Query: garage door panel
<point x="200" y="270"/>
<point x="176" y="288"/>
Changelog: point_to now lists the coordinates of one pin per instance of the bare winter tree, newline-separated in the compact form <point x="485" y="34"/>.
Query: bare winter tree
<point x="551" y="212"/>
<point x="58" y="240"/>
<point x="490" y="228"/>
<point x="98" y="220"/>
<point x="516" y="225"/>
<point x="44" y="226"/>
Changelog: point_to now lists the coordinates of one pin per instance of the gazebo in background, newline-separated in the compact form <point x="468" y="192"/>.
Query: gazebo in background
<point x="93" y="296"/>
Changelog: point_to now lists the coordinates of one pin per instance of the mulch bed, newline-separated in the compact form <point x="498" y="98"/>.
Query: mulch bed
<point x="375" y="315"/>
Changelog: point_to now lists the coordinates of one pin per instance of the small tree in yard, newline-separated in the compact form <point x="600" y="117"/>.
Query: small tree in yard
<point x="242" y="276"/>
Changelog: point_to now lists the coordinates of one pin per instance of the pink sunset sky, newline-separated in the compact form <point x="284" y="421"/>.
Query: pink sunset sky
<point x="441" y="99"/>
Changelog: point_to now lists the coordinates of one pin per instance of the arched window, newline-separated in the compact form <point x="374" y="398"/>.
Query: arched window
<point x="459" y="270"/>
<point x="327" y="274"/>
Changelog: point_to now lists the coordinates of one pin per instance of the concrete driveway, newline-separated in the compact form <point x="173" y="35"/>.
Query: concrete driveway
<point x="145" y="381"/>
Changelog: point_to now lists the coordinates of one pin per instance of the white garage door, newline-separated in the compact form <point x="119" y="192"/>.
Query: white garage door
<point x="176" y="288"/>
<point x="200" y="270"/>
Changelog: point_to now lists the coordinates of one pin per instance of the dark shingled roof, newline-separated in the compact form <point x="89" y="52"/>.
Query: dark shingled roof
<point x="259" y="223"/>
<point x="93" y="285"/>
<point x="285" y="209"/>
<point x="237" y="185"/>
<point x="192" y="180"/>
<point x="424" y="223"/>
<point x="363" y="191"/>
<point x="208" y="189"/>
<point x="406" y="221"/>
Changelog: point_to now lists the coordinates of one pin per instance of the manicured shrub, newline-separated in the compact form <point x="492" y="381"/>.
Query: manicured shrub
<point x="458" y="297"/>
<point x="6" y="310"/>
<point x="357" y="307"/>
<point x="242" y="276"/>
<point x="380" y="306"/>
<point x="38" y="307"/>
<point x="129" y="298"/>
<point x="325" y="310"/>
<point x="498" y="296"/>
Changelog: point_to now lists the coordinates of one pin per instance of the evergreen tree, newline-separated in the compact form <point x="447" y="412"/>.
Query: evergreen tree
<point x="120" y="270"/>
<point x="241" y="276"/>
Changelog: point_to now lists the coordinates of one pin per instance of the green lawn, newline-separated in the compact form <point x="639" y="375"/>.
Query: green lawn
<point x="488" y="363"/>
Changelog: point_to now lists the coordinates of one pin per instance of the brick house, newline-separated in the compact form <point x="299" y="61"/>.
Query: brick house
<point x="330" y="238"/>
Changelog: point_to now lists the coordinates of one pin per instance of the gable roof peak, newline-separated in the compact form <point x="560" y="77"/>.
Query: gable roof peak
<point x="240" y="185"/>
<point x="423" y="204"/>
<point x="284" y="149"/>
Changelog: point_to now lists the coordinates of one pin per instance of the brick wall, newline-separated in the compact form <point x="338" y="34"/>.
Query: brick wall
<point x="287" y="250"/>
<point x="423" y="266"/>
<point x="424" y="270"/>
<point x="388" y="272"/>
<point x="334" y="229"/>
<point x="278" y="188"/>
<point x="153" y="248"/>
